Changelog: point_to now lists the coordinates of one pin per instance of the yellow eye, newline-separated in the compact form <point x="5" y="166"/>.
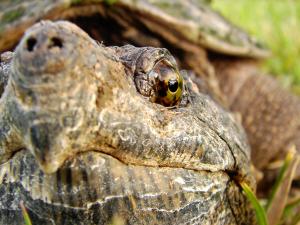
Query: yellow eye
<point x="170" y="84"/>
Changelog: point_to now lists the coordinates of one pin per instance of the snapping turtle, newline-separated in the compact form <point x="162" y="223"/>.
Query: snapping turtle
<point x="89" y="133"/>
<point x="92" y="133"/>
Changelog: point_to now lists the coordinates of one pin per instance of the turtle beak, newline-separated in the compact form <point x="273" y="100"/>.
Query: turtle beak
<point x="45" y="146"/>
<point x="42" y="65"/>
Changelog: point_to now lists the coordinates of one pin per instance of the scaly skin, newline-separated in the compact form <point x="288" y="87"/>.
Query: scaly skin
<point x="81" y="145"/>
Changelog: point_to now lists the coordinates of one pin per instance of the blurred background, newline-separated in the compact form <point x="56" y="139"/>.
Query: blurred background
<point x="277" y="24"/>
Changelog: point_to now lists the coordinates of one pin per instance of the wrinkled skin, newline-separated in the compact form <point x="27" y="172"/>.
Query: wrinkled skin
<point x="80" y="144"/>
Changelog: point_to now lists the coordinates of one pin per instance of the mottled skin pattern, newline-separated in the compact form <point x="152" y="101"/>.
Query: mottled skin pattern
<point x="80" y="145"/>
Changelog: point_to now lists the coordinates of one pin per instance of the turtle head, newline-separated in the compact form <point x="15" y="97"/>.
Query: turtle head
<point x="75" y="96"/>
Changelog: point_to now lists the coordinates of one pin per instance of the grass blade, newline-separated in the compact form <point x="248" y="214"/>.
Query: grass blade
<point x="287" y="161"/>
<point x="259" y="210"/>
<point x="280" y="191"/>
<point x="25" y="214"/>
<point x="290" y="206"/>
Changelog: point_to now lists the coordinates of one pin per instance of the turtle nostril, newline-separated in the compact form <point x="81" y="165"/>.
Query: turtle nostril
<point x="55" y="42"/>
<point x="31" y="42"/>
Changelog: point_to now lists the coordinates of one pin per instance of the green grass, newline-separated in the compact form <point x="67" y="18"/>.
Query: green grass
<point x="27" y="220"/>
<point x="278" y="210"/>
<point x="276" y="23"/>
<point x="259" y="210"/>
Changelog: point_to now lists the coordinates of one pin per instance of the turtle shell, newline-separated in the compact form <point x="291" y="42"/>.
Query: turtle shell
<point x="186" y="24"/>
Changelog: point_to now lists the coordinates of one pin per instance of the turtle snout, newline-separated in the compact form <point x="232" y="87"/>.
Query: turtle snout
<point x="40" y="53"/>
<point x="46" y="49"/>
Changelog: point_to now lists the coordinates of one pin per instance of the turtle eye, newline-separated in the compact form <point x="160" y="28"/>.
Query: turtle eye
<point x="173" y="85"/>
<point x="168" y="85"/>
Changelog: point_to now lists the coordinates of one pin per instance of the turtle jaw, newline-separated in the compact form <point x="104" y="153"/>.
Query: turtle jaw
<point x="49" y="147"/>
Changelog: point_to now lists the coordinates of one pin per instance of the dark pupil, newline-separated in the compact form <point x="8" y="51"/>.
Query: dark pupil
<point x="173" y="85"/>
